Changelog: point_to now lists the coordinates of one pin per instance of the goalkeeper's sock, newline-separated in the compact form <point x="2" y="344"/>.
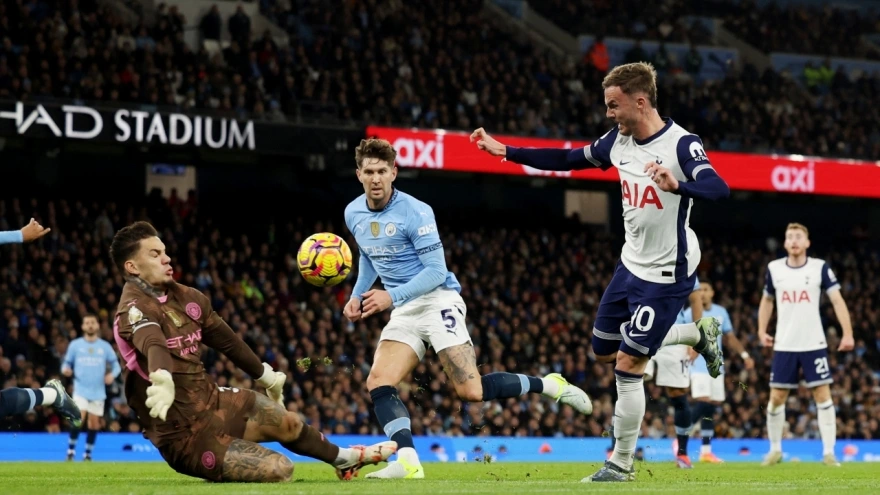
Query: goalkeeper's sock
<point x="21" y="400"/>
<point x="505" y="385"/>
<point x="392" y="416"/>
<point x="312" y="443"/>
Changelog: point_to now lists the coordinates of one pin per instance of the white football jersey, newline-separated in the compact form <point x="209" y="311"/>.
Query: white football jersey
<point x="660" y="246"/>
<point x="797" y="291"/>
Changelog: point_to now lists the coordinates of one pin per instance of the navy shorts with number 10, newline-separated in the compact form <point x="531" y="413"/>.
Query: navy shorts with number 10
<point x="635" y="315"/>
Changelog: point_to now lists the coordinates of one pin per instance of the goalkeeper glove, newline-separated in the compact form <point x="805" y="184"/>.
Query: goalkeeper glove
<point x="160" y="395"/>
<point x="273" y="382"/>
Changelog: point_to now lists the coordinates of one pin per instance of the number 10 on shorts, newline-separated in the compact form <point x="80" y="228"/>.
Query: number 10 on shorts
<point x="642" y="320"/>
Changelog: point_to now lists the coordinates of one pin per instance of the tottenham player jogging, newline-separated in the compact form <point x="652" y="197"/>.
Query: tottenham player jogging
<point x="662" y="169"/>
<point x="87" y="360"/>
<point x="670" y="369"/>
<point x="708" y="392"/>
<point x="399" y="243"/>
<point x="796" y="283"/>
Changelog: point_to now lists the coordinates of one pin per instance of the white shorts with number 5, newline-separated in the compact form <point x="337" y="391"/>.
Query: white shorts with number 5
<point x="436" y="319"/>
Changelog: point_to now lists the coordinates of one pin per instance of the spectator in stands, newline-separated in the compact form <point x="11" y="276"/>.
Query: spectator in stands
<point x="597" y="55"/>
<point x="240" y="27"/>
<point x="211" y="24"/>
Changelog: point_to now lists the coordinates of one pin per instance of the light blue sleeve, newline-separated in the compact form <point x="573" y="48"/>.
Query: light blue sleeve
<point x="112" y="360"/>
<point x="68" y="356"/>
<point x="688" y="316"/>
<point x="367" y="276"/>
<point x="11" y="237"/>
<point x="726" y="325"/>
<point x="421" y="229"/>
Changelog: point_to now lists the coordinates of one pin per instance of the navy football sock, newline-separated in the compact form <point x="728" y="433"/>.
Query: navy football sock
<point x="392" y="415"/>
<point x="504" y="385"/>
<point x="19" y="400"/>
<point x="91" y="435"/>
<point x="682" y="421"/>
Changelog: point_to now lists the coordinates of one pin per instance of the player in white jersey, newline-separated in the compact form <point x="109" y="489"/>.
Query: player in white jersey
<point x="662" y="168"/>
<point x="795" y="283"/>
<point x="670" y="369"/>
<point x="399" y="243"/>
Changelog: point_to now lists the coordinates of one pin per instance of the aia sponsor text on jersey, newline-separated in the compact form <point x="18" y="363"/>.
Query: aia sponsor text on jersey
<point x="640" y="197"/>
<point x="795" y="296"/>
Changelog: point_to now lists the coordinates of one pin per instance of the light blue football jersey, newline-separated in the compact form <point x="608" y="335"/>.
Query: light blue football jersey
<point x="399" y="244"/>
<point x="89" y="361"/>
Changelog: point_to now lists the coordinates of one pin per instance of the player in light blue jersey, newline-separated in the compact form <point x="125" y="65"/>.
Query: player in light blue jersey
<point x="87" y="361"/>
<point x="399" y="243"/>
<point x="708" y="392"/>
<point x="16" y="400"/>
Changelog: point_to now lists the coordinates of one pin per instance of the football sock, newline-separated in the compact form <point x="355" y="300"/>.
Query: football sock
<point x="682" y="421"/>
<point x="827" y="426"/>
<point x="775" y="422"/>
<point x="71" y="444"/>
<point x="91" y="435"/>
<point x="312" y="443"/>
<point x="505" y="385"/>
<point x="684" y="333"/>
<point x="628" y="414"/>
<point x="707" y="425"/>
<point x="21" y="400"/>
<point x="392" y="415"/>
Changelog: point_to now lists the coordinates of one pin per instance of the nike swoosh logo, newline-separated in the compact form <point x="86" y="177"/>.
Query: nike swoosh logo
<point x="624" y="163"/>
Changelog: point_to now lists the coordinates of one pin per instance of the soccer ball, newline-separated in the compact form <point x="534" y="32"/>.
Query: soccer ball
<point x="324" y="259"/>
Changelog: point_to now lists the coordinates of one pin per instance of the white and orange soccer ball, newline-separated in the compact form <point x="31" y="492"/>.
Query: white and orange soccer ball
<point x="324" y="259"/>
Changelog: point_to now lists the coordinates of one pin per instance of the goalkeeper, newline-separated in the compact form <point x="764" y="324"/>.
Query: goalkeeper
<point x="200" y="429"/>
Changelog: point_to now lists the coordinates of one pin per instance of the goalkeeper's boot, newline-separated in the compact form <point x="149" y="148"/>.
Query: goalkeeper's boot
<point x="65" y="405"/>
<point x="571" y="395"/>
<point x="611" y="472"/>
<point x="710" y="328"/>
<point x="772" y="458"/>
<point x="401" y="469"/>
<point x="366" y="455"/>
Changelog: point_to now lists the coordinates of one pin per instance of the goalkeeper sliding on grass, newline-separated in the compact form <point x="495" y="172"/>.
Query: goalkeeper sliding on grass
<point x="201" y="429"/>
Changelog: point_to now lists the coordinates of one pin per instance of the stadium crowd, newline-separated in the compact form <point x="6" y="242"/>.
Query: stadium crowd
<point x="426" y="64"/>
<point x="531" y="294"/>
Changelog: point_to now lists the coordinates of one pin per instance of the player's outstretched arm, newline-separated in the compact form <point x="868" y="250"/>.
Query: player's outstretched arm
<point x="558" y="159"/>
<point x="367" y="276"/>
<point x="217" y="335"/>
<point x="732" y="341"/>
<point x="847" y="343"/>
<point x="30" y="232"/>
<point x="147" y="337"/>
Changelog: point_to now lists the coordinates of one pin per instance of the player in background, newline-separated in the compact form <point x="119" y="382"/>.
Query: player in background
<point x="200" y="429"/>
<point x="87" y="360"/>
<point x="399" y="242"/>
<point x="708" y="393"/>
<point x="670" y="369"/>
<point x="15" y="401"/>
<point x="662" y="168"/>
<point x="795" y="283"/>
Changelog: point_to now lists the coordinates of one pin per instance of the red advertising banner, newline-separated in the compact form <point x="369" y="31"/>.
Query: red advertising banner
<point x="448" y="150"/>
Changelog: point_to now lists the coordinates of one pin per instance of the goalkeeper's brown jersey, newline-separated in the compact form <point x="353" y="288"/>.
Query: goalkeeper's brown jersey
<point x="178" y="322"/>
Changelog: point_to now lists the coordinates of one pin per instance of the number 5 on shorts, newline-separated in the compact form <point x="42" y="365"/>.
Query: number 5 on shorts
<point x="448" y="319"/>
<point x="638" y="319"/>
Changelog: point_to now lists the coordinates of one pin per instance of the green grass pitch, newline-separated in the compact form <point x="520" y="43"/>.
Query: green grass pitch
<point x="77" y="478"/>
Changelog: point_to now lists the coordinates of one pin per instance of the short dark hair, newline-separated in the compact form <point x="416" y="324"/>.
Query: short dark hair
<point x="127" y="241"/>
<point x="90" y="315"/>
<point x="375" y="148"/>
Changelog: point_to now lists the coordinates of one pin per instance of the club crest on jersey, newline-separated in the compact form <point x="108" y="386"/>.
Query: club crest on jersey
<point x="390" y="229"/>
<point x="374" y="229"/>
<point x="134" y="315"/>
<point x="174" y="318"/>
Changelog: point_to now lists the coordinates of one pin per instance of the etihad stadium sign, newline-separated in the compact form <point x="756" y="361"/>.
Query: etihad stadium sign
<point x="130" y="126"/>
